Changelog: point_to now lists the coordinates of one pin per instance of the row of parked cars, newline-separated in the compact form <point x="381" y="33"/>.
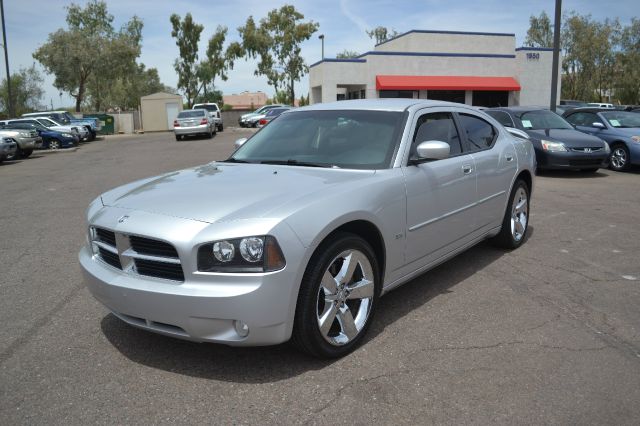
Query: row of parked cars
<point x="583" y="138"/>
<point x="19" y="137"/>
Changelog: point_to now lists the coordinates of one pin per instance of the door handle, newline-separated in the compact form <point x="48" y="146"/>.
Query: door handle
<point x="509" y="157"/>
<point x="466" y="169"/>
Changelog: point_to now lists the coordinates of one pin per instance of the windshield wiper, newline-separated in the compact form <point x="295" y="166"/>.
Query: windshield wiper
<point x="293" y="162"/>
<point x="234" y="160"/>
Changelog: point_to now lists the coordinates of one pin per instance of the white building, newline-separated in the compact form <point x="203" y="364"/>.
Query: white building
<point x="482" y="69"/>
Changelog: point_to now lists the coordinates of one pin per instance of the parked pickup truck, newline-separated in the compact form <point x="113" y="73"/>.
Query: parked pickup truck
<point x="63" y="117"/>
<point x="27" y="141"/>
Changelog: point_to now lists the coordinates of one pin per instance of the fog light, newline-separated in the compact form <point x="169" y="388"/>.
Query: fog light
<point x="241" y="328"/>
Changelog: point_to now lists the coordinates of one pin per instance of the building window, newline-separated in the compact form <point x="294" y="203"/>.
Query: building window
<point x="490" y="98"/>
<point x="397" y="94"/>
<point x="446" y="95"/>
<point x="362" y="94"/>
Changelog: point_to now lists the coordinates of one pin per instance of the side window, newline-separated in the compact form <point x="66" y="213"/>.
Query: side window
<point x="480" y="134"/>
<point x="502" y="118"/>
<point x="437" y="126"/>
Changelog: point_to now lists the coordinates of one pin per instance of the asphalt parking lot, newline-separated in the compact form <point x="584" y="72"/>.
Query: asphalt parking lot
<point x="549" y="333"/>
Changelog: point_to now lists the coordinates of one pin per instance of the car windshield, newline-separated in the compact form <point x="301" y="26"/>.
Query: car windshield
<point x="191" y="114"/>
<point x="345" y="139"/>
<point x="622" y="119"/>
<point x="275" y="111"/>
<point x="542" y="119"/>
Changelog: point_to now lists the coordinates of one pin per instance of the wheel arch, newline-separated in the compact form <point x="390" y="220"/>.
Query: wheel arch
<point x="366" y="230"/>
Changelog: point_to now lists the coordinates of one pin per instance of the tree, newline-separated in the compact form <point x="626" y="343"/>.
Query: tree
<point x="276" y="41"/>
<point x="125" y="92"/>
<point x="381" y="34"/>
<point x="90" y="51"/>
<point x="187" y="35"/>
<point x="26" y="91"/>
<point x="216" y="64"/>
<point x="540" y="32"/>
<point x="303" y="101"/>
<point x="627" y="79"/>
<point x="347" y="54"/>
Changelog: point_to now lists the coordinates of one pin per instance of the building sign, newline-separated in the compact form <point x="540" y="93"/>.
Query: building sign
<point x="533" y="56"/>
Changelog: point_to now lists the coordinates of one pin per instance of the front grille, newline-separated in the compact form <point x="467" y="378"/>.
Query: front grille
<point x="152" y="247"/>
<point x="152" y="268"/>
<point x="586" y="150"/>
<point x="110" y="258"/>
<point x="107" y="237"/>
<point x="141" y="255"/>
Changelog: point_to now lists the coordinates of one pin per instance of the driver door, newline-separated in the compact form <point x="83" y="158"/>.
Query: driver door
<point x="440" y="194"/>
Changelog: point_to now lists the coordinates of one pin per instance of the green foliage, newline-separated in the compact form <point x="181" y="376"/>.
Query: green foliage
<point x="212" y="96"/>
<point x="216" y="64"/>
<point x="627" y="88"/>
<point x="276" y="42"/>
<point x="282" y="97"/>
<point x="304" y="101"/>
<point x="540" y="32"/>
<point x="125" y="92"/>
<point x="381" y="34"/>
<point x="26" y="92"/>
<point x="187" y="35"/>
<point x="588" y="57"/>
<point x="226" y="107"/>
<point x="90" y="55"/>
<point x="347" y="54"/>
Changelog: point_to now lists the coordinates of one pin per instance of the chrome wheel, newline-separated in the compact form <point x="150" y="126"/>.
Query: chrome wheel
<point x="345" y="297"/>
<point x="54" y="144"/>
<point x="619" y="158"/>
<point x="519" y="214"/>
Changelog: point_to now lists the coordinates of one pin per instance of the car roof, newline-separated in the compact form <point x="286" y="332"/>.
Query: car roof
<point x="519" y="108"/>
<point x="384" y="104"/>
<point x="188" y="110"/>
<point x="591" y="109"/>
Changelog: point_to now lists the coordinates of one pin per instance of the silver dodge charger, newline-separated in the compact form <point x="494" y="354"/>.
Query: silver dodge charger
<point x="298" y="233"/>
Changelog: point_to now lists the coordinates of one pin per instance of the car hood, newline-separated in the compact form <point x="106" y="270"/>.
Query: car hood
<point x="219" y="192"/>
<point x="571" y="138"/>
<point x="251" y="114"/>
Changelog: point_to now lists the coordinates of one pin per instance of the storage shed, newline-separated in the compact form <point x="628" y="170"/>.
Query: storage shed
<point x="159" y="110"/>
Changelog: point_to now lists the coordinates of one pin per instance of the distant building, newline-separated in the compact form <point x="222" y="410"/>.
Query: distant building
<point x="474" y="68"/>
<point x="245" y="100"/>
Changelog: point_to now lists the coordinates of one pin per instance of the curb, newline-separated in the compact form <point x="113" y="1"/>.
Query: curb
<point x="56" y="151"/>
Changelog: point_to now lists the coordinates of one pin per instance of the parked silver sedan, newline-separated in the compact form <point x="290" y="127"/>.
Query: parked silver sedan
<point x="308" y="223"/>
<point x="191" y="122"/>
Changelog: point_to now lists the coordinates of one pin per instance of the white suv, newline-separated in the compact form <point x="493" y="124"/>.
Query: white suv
<point x="214" y="112"/>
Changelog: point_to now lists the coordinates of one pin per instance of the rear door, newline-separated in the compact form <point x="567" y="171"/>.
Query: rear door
<point x="440" y="194"/>
<point x="496" y="164"/>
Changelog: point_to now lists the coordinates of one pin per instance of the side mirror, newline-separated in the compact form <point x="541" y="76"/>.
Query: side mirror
<point x="433" y="150"/>
<point x="597" y="125"/>
<point x="240" y="142"/>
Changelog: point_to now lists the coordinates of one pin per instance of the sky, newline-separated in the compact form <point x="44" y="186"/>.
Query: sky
<point x="343" y="22"/>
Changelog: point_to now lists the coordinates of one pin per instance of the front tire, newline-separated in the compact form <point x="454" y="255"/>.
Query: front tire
<point x="619" y="158"/>
<point x="54" y="144"/>
<point x="516" y="218"/>
<point x="338" y="296"/>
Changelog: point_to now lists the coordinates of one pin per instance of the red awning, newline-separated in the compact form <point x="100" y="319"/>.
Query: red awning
<point x="443" y="82"/>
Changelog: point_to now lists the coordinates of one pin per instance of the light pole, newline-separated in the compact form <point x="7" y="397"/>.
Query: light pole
<point x="556" y="56"/>
<point x="6" y="60"/>
<point x="321" y="37"/>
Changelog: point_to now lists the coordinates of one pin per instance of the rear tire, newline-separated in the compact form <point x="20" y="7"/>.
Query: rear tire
<point x="516" y="218"/>
<point x="221" y="127"/>
<point x="177" y="138"/>
<point x="26" y="153"/>
<point x="337" y="298"/>
<point x="54" y="144"/>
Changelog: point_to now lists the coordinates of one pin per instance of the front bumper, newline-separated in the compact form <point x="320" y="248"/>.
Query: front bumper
<point x="571" y="160"/>
<point x="192" y="130"/>
<point x="204" y="306"/>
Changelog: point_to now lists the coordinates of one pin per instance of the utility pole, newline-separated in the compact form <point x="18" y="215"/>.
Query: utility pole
<point x="321" y="37"/>
<point x="6" y="60"/>
<point x="556" y="56"/>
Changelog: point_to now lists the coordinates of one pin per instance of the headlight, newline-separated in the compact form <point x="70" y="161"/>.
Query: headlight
<point x="248" y="254"/>
<point x="635" y="138"/>
<point x="67" y="135"/>
<point x="553" y="146"/>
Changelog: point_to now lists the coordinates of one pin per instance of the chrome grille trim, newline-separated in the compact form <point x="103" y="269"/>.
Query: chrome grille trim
<point x="117" y="245"/>
<point x="586" y="150"/>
